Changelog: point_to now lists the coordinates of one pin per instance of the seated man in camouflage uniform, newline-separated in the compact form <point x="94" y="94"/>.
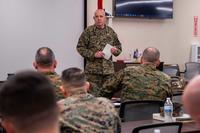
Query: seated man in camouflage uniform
<point x="82" y="112"/>
<point x="140" y="82"/>
<point x="46" y="63"/>
<point x="28" y="104"/>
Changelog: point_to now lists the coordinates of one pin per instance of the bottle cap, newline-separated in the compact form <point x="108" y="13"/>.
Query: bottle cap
<point x="168" y="98"/>
<point x="156" y="130"/>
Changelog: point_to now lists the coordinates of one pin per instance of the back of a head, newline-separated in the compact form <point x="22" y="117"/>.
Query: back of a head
<point x="28" y="101"/>
<point x="73" y="77"/>
<point x="151" y="55"/>
<point x="44" y="57"/>
<point x="191" y="98"/>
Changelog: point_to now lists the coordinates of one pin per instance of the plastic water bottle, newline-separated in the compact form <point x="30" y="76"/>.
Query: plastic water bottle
<point x="156" y="131"/>
<point x="168" y="110"/>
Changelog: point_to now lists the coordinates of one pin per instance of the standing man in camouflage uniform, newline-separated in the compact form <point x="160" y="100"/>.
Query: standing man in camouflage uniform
<point x="82" y="112"/>
<point x="46" y="63"/>
<point x="90" y="46"/>
<point x="140" y="82"/>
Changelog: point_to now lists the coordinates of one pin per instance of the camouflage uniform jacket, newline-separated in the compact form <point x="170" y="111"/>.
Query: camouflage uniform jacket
<point x="142" y="82"/>
<point x="56" y="81"/>
<point x="83" y="113"/>
<point x="92" y="40"/>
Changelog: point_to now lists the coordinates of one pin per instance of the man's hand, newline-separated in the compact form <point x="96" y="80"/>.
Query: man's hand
<point x="113" y="50"/>
<point x="99" y="54"/>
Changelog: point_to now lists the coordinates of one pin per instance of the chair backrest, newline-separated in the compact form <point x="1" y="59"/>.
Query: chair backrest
<point x="171" y="70"/>
<point x="119" y="65"/>
<point x="1" y="83"/>
<point x="191" y="69"/>
<point x="177" y="97"/>
<point x="160" y="66"/>
<point x="139" y="109"/>
<point x="167" y="127"/>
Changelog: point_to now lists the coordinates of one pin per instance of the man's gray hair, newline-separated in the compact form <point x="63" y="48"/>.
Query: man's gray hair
<point x="44" y="56"/>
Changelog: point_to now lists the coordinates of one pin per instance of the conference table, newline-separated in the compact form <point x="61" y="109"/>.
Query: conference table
<point x="188" y="127"/>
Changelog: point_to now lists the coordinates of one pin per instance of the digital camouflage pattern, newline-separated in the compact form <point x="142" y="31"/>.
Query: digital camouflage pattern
<point x="83" y="113"/>
<point x="92" y="40"/>
<point x="143" y="82"/>
<point x="98" y="79"/>
<point x="93" y="89"/>
<point x="56" y="81"/>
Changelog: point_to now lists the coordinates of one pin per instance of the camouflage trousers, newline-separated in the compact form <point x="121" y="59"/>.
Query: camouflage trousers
<point x="98" y="79"/>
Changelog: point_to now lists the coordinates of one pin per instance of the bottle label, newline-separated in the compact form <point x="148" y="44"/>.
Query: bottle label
<point x="168" y="108"/>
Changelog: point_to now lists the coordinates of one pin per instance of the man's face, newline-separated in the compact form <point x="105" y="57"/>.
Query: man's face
<point x="99" y="18"/>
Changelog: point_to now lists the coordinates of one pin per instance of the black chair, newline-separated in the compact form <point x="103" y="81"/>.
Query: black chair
<point x="139" y="109"/>
<point x="169" y="127"/>
<point x="160" y="66"/>
<point x="10" y="75"/>
<point x="191" y="70"/>
<point x="177" y="97"/>
<point x="171" y="69"/>
<point x="1" y="83"/>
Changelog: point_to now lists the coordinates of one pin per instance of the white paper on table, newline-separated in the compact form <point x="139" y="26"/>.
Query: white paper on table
<point x="107" y="51"/>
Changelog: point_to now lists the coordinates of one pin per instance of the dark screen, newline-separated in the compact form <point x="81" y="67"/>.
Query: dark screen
<point x="159" y="9"/>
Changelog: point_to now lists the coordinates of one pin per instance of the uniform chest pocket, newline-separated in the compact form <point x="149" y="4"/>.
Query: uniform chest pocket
<point x="94" y="43"/>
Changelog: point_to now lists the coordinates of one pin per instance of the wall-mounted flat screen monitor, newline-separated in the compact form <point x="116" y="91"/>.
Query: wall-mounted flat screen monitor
<point x="155" y="9"/>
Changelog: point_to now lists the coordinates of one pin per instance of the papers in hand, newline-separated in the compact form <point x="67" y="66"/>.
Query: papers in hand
<point x="107" y="51"/>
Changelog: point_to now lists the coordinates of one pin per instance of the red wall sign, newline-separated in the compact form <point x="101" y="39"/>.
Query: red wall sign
<point x="100" y="4"/>
<point x="195" y="32"/>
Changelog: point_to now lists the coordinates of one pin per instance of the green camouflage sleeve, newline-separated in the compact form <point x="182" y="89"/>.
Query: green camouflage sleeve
<point x="117" y="44"/>
<point x="112" y="85"/>
<point x="165" y="83"/>
<point x="94" y="89"/>
<point x="82" y="46"/>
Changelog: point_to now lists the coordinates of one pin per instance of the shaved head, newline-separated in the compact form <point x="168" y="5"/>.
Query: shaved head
<point x="191" y="98"/>
<point x="99" y="11"/>
<point x="99" y="18"/>
<point x="151" y="55"/>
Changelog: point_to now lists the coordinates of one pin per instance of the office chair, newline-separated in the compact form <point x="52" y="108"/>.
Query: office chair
<point x="1" y="83"/>
<point x="169" y="127"/>
<point x="160" y="66"/>
<point x="191" y="70"/>
<point x="139" y="109"/>
<point x="119" y="65"/>
<point x="177" y="97"/>
<point x="171" y="69"/>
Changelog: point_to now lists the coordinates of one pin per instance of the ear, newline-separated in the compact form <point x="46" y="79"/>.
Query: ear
<point x="8" y="126"/>
<point x="35" y="65"/>
<point x="141" y="60"/>
<point x="62" y="89"/>
<point x="157" y="63"/>
<point x="60" y="104"/>
<point x="55" y="64"/>
<point x="87" y="86"/>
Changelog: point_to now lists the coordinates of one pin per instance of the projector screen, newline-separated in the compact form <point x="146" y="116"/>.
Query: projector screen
<point x="27" y="25"/>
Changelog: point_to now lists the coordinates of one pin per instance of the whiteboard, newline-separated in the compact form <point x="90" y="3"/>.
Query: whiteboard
<point x="26" y="25"/>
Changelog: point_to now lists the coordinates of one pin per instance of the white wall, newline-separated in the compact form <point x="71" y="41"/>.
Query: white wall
<point x="172" y="37"/>
<point x="26" y="25"/>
